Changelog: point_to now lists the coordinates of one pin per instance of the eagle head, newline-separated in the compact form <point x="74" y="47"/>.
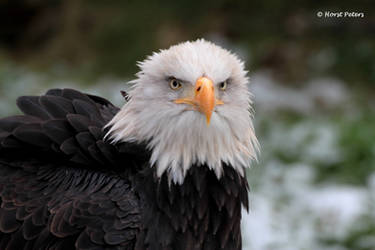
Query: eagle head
<point x="191" y="105"/>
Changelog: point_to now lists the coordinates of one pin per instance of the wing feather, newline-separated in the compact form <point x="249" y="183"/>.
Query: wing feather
<point x="76" y="207"/>
<point x="60" y="184"/>
<point x="63" y="121"/>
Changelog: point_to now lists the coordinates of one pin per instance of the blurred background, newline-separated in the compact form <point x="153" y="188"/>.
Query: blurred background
<point x="313" y="79"/>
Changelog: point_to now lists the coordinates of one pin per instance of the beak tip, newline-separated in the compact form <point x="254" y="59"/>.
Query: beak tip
<point x="208" y="119"/>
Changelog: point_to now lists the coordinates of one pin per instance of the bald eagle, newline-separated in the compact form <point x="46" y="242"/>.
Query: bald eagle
<point x="164" y="172"/>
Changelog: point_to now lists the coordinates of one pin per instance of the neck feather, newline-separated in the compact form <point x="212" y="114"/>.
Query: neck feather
<point x="202" y="213"/>
<point x="180" y="139"/>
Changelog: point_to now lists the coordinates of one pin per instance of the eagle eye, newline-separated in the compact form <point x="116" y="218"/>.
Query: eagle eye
<point x="223" y="85"/>
<point x="175" y="84"/>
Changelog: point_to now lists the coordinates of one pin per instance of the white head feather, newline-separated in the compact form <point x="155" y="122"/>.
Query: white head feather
<point x="178" y="136"/>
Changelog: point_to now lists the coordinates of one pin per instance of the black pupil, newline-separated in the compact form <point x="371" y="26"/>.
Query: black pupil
<point x="222" y="85"/>
<point x="175" y="84"/>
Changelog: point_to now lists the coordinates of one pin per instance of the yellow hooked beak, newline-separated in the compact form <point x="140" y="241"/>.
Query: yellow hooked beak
<point x="204" y="97"/>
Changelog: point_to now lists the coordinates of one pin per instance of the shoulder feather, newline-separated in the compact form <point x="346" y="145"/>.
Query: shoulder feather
<point x="63" y="122"/>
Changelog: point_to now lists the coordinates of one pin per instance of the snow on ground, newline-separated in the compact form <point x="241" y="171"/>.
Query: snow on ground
<point x="288" y="210"/>
<point x="269" y="96"/>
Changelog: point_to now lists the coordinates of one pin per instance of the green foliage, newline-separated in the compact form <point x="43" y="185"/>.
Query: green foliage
<point x="360" y="237"/>
<point x="357" y="149"/>
<point x="108" y="37"/>
<point x="339" y="147"/>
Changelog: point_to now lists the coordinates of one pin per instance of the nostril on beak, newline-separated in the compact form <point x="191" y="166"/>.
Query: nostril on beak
<point x="199" y="88"/>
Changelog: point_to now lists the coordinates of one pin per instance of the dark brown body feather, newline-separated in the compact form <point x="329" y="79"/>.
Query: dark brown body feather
<point x="62" y="186"/>
<point x="203" y="213"/>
